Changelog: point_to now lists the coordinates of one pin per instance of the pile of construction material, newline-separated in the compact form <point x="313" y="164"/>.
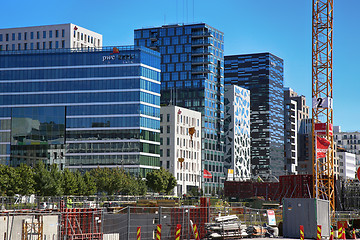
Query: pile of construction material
<point x="226" y="227"/>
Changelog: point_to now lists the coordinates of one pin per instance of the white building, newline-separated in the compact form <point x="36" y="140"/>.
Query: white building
<point x="48" y="37"/>
<point x="237" y="132"/>
<point x="347" y="162"/>
<point x="350" y="141"/>
<point x="177" y="145"/>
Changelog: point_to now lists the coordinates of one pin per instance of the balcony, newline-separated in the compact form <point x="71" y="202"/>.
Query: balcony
<point x="199" y="34"/>
<point x="198" y="70"/>
<point x="199" y="52"/>
<point x="200" y="61"/>
<point x="199" y="43"/>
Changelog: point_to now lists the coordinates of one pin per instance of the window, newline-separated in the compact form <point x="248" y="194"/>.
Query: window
<point x="161" y="141"/>
<point x="25" y="46"/>
<point x="50" y="45"/>
<point x="19" y="36"/>
<point x="13" y="36"/>
<point x="44" y="34"/>
<point x="37" y="35"/>
<point x="168" y="117"/>
<point x="50" y="34"/>
<point x="167" y="164"/>
<point x="7" y="37"/>
<point x="161" y="153"/>
<point x="56" y="33"/>
<point x="168" y="152"/>
<point x="25" y="35"/>
<point x="161" y="129"/>
<point x="44" y="45"/>
<point x="161" y="117"/>
<point x="63" y="44"/>
<point x="167" y="141"/>
<point x="0" y="47"/>
<point x="19" y="46"/>
<point x="13" y="47"/>
<point x="57" y="44"/>
<point x="1" y="37"/>
<point x="167" y="129"/>
<point x="37" y="45"/>
<point x="31" y="46"/>
<point x="63" y="33"/>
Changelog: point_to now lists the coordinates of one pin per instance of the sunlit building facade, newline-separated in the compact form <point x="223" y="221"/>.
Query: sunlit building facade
<point x="192" y="76"/>
<point x="81" y="108"/>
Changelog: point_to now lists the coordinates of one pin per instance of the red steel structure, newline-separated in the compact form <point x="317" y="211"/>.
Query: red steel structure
<point x="322" y="96"/>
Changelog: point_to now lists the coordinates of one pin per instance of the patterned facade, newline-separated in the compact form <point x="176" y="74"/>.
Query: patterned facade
<point x="262" y="74"/>
<point x="237" y="132"/>
<point x="192" y="76"/>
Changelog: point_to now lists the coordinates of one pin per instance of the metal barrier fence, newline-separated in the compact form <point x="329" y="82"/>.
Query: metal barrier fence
<point x="122" y="224"/>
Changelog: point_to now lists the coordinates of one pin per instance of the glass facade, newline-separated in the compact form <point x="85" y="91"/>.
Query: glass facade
<point x="192" y="76"/>
<point x="100" y="106"/>
<point x="262" y="74"/>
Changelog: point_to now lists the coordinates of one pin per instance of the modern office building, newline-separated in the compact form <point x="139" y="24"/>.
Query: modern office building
<point x="192" y="77"/>
<point x="81" y="108"/>
<point x="295" y="110"/>
<point x="262" y="74"/>
<point x="48" y="37"/>
<point x="237" y="132"/>
<point x="180" y="152"/>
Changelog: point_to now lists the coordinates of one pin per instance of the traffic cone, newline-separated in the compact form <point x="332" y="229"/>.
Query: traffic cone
<point x="331" y="233"/>
<point x="353" y="234"/>
<point x="343" y="233"/>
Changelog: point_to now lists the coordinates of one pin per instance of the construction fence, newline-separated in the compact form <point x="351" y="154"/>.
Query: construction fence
<point x="124" y="223"/>
<point x="121" y="223"/>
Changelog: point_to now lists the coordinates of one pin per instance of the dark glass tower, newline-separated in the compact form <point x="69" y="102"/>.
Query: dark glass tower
<point x="262" y="74"/>
<point x="192" y="77"/>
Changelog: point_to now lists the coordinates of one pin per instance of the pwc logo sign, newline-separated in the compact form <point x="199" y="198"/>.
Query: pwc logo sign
<point x="111" y="57"/>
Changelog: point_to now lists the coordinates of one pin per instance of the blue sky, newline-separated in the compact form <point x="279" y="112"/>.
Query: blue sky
<point x="282" y="27"/>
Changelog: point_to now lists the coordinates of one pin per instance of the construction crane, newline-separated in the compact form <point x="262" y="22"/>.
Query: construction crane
<point x="322" y="99"/>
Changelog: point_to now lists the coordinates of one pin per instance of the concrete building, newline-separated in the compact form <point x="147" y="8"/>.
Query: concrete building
<point x="349" y="141"/>
<point x="237" y="132"/>
<point x="180" y="153"/>
<point x="262" y="74"/>
<point x="95" y="107"/>
<point x="347" y="162"/>
<point x="295" y="112"/>
<point x="192" y="76"/>
<point x="48" y="37"/>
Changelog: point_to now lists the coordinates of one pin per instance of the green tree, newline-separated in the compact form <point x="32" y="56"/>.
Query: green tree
<point x="42" y="180"/>
<point x="47" y="182"/>
<point x="160" y="180"/>
<point x="69" y="183"/>
<point x="90" y="184"/>
<point x="102" y="177"/>
<point x="171" y="183"/>
<point x="141" y="186"/>
<point x="81" y="186"/>
<point x="56" y="177"/>
<point x="26" y="181"/>
<point x="8" y="181"/>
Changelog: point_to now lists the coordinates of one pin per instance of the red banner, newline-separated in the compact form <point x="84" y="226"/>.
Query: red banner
<point x="207" y="174"/>
<point x="322" y="145"/>
<point x="320" y="129"/>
